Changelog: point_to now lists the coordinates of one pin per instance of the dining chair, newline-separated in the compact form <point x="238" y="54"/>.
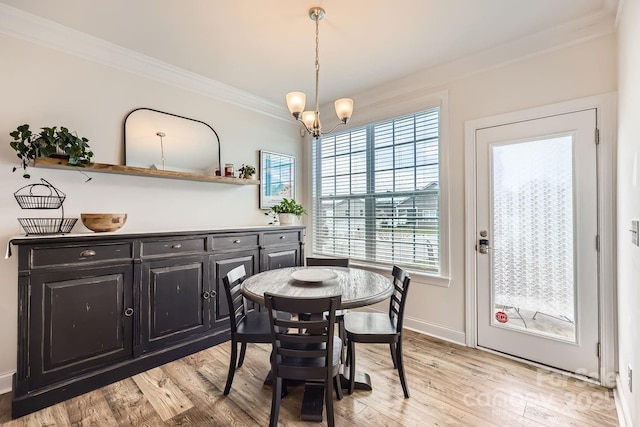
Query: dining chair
<point x="247" y="326"/>
<point x="333" y="262"/>
<point x="298" y="355"/>
<point x="380" y="328"/>
<point x="327" y="262"/>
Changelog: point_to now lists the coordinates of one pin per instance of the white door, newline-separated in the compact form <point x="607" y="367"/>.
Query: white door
<point x="537" y="228"/>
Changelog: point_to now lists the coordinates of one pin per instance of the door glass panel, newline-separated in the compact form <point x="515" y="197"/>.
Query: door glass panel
<point x="533" y="234"/>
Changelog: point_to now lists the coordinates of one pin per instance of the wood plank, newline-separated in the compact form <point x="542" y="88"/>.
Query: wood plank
<point x="55" y="415"/>
<point x="166" y="398"/>
<point x="88" y="409"/>
<point x="5" y="407"/>
<point x="50" y="163"/>
<point x="204" y="394"/>
<point x="129" y="405"/>
<point x="449" y="385"/>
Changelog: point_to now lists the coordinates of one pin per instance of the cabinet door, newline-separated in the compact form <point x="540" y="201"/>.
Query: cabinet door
<point x="80" y="320"/>
<point x="281" y="257"/>
<point x="222" y="265"/>
<point x="175" y="301"/>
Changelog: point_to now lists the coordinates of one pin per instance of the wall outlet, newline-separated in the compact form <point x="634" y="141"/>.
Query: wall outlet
<point x="630" y="378"/>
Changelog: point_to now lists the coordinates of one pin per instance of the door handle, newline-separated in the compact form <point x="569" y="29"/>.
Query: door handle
<point x="483" y="246"/>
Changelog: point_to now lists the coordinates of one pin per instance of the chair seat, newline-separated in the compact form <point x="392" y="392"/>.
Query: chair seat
<point x="255" y="327"/>
<point x="370" y="327"/>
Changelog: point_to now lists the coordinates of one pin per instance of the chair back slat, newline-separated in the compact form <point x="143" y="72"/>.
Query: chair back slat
<point x="301" y="339"/>
<point x="302" y="349"/>
<point x="327" y="262"/>
<point x="237" y="274"/>
<point x="401" y="281"/>
<point x="306" y="324"/>
<point x="302" y="353"/>
<point x="232" y="287"/>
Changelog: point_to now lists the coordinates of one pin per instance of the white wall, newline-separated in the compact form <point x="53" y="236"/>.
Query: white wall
<point x="44" y="87"/>
<point x="629" y="206"/>
<point x="573" y="72"/>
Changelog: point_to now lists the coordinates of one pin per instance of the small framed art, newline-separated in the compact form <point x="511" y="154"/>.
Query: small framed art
<point x="277" y="178"/>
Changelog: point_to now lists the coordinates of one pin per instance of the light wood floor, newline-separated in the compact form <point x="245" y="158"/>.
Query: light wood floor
<point x="449" y="385"/>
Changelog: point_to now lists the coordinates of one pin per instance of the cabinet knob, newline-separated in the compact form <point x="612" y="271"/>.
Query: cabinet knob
<point x="176" y="246"/>
<point x="206" y="295"/>
<point x="237" y="241"/>
<point x="88" y="253"/>
<point x="128" y="312"/>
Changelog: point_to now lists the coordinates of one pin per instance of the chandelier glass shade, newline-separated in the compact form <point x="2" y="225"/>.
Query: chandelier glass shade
<point x="296" y="100"/>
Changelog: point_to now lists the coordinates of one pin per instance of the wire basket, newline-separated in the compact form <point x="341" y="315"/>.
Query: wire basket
<point x="28" y="200"/>
<point x="42" y="226"/>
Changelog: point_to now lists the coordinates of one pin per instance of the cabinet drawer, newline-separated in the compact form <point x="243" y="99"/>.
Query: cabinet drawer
<point x="236" y="241"/>
<point x="168" y="247"/>
<point x="80" y="254"/>
<point x="282" y="238"/>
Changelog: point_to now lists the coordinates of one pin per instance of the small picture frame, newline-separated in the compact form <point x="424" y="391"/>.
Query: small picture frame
<point x="277" y="178"/>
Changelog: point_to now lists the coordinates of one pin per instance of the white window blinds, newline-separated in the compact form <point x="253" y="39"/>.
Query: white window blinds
<point x="377" y="194"/>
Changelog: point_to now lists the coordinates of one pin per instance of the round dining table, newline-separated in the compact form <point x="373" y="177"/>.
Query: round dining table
<point x="357" y="287"/>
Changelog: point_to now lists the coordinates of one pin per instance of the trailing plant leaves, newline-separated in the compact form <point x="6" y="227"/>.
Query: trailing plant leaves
<point x="49" y="141"/>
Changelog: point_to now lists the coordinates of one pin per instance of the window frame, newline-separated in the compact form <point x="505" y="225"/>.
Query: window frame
<point x="388" y="111"/>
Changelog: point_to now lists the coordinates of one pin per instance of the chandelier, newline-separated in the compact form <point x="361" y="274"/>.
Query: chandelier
<point x="297" y="100"/>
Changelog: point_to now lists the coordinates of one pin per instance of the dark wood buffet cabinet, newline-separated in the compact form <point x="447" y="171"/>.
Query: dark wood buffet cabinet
<point x="94" y="309"/>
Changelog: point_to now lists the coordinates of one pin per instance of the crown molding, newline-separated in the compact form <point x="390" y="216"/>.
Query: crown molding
<point x="416" y="85"/>
<point x="26" y="26"/>
<point x="20" y="24"/>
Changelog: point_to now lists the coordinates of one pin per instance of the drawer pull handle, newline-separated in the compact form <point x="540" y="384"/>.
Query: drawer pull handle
<point x="176" y="246"/>
<point x="88" y="253"/>
<point x="206" y="295"/>
<point x="128" y="312"/>
<point x="237" y="241"/>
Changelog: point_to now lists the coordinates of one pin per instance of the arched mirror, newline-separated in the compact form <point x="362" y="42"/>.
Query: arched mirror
<point x="162" y="141"/>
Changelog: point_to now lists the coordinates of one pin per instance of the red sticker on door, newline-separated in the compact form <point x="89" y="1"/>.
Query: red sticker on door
<point x="502" y="317"/>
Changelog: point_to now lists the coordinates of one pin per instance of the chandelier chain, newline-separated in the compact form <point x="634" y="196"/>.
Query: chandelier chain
<point x="317" y="19"/>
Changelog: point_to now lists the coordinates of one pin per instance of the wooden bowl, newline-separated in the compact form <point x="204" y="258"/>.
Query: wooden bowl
<point x="102" y="222"/>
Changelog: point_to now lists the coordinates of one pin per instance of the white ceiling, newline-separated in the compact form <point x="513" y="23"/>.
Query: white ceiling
<point x="267" y="47"/>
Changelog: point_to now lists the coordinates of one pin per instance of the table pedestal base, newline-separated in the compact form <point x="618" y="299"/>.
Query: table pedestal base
<point x="362" y="379"/>
<point x="313" y="397"/>
<point x="312" y="402"/>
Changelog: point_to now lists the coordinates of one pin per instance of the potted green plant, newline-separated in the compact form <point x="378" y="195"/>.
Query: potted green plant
<point x="49" y="142"/>
<point x="247" y="172"/>
<point x="288" y="211"/>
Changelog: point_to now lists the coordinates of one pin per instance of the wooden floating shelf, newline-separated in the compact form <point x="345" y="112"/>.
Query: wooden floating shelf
<point x="53" y="163"/>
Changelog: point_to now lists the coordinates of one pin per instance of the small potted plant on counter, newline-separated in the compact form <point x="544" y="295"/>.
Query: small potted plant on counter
<point x="288" y="211"/>
<point x="49" y="142"/>
<point x="247" y="172"/>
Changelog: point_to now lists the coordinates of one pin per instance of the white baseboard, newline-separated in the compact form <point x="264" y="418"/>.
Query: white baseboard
<point x="624" y="417"/>
<point x="6" y="382"/>
<point x="431" y="329"/>
<point x="438" y="331"/>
